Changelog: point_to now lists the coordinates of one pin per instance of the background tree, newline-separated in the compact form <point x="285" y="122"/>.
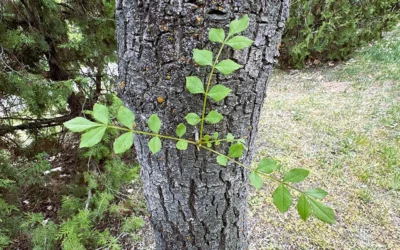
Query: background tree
<point x="55" y="59"/>
<point x="53" y="64"/>
<point x="320" y="30"/>
<point x="194" y="203"/>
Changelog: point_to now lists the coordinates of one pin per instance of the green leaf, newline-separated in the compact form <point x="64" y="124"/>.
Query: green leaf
<point x="282" y="198"/>
<point x="239" y="42"/>
<point x="123" y="143"/>
<point x="194" y="85"/>
<point x="213" y="117"/>
<point x="267" y="166"/>
<point x="216" y="35"/>
<point x="100" y="113"/>
<point x="238" y="25"/>
<point x="215" y="135"/>
<point x="154" y="123"/>
<point x="181" y="130"/>
<point x="242" y="140"/>
<point x="203" y="57"/>
<point x="92" y="137"/>
<point x="182" y="145"/>
<point x="126" y="117"/>
<point x="227" y="66"/>
<point x="155" y="145"/>
<point x="322" y="212"/>
<point x="207" y="137"/>
<point x="296" y="175"/>
<point x="318" y="193"/>
<point x="192" y="118"/>
<point x="219" y="92"/>
<point x="230" y="137"/>
<point x="303" y="207"/>
<point x="80" y="124"/>
<point x="236" y="150"/>
<point x="222" y="160"/>
<point x="255" y="180"/>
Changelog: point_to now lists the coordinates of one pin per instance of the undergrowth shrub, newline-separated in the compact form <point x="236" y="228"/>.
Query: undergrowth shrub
<point x="320" y="30"/>
<point x="86" y="208"/>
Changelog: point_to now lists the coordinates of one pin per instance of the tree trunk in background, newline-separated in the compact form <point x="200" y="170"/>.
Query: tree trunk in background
<point x="194" y="203"/>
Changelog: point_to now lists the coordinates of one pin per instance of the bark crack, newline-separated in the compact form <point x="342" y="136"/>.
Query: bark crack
<point x="223" y="233"/>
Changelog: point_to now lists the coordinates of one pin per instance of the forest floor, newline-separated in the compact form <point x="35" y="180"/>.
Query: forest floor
<point x="342" y="122"/>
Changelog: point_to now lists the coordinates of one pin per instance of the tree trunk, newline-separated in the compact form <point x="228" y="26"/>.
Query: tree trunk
<point x="194" y="203"/>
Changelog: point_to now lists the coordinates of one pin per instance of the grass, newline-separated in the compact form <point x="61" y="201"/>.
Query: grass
<point x="341" y="122"/>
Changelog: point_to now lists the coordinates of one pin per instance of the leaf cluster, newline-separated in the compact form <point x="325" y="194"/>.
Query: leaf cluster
<point x="307" y="202"/>
<point x="282" y="198"/>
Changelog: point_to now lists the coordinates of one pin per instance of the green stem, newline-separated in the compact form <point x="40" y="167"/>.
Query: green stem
<point x="207" y="88"/>
<point x="251" y="169"/>
<point x="152" y="134"/>
<point x="220" y="140"/>
<point x="206" y="148"/>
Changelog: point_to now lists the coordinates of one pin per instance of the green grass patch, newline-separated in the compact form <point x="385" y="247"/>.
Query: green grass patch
<point x="341" y="122"/>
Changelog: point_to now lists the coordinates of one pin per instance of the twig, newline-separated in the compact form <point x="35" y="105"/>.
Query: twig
<point x="89" y="196"/>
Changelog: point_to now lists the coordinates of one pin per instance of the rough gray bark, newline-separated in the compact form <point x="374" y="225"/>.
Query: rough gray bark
<point x="194" y="203"/>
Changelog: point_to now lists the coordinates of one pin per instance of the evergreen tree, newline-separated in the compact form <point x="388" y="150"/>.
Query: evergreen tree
<point x="54" y="60"/>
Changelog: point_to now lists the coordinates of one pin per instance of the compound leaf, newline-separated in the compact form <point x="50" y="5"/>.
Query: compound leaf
<point x="182" y="145"/>
<point x="216" y="35"/>
<point x="282" y="198"/>
<point x="215" y="135"/>
<point x="296" y="175"/>
<point x="92" y="137"/>
<point x="123" y="143"/>
<point x="238" y="25"/>
<point x="192" y="118"/>
<point x="181" y="130"/>
<point x="236" y="150"/>
<point x="155" y="145"/>
<point x="126" y="117"/>
<point x="255" y="180"/>
<point x="267" y="166"/>
<point x="239" y="42"/>
<point x="194" y="85"/>
<point x="219" y="92"/>
<point x="318" y="193"/>
<point x="227" y="66"/>
<point x="213" y="117"/>
<point x="80" y="124"/>
<point x="230" y="137"/>
<point x="154" y="123"/>
<point x="222" y="160"/>
<point x="322" y="212"/>
<point x="203" y="57"/>
<point x="303" y="207"/>
<point x="100" y="113"/>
